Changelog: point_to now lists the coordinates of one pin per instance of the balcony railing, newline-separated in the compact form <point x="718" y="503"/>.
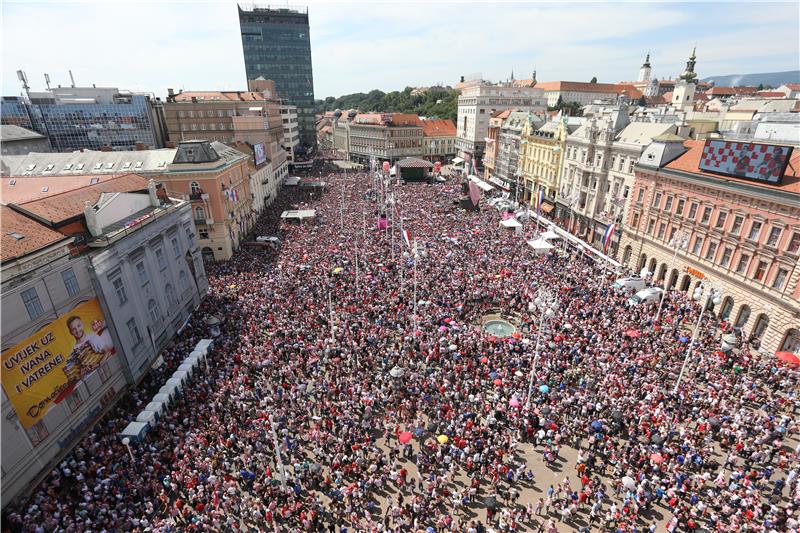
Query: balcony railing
<point x="200" y="221"/>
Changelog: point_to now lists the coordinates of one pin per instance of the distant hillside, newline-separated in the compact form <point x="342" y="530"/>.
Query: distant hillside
<point x="441" y="102"/>
<point x="771" y="79"/>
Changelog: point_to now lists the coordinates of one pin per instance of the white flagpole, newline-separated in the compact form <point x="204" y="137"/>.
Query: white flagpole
<point x="416" y="258"/>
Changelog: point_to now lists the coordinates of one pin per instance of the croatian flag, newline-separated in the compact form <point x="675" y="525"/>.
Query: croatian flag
<point x="607" y="236"/>
<point x="407" y="238"/>
<point x="539" y="201"/>
<point x="474" y="167"/>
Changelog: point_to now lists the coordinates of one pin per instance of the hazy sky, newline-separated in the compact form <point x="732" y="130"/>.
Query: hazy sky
<point x="150" y="46"/>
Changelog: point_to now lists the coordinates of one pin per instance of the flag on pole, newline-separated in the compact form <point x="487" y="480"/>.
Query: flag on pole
<point x="539" y="200"/>
<point x="407" y="238"/>
<point x="607" y="236"/>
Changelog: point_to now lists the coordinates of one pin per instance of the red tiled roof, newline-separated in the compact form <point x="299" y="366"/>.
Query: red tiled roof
<point x="793" y="86"/>
<point x="59" y="208"/>
<point x="211" y="96"/>
<point x="27" y="188"/>
<point x="438" y="128"/>
<point x="690" y="161"/>
<point x="582" y="87"/>
<point x="397" y="119"/>
<point x="35" y="236"/>
<point x="771" y="94"/>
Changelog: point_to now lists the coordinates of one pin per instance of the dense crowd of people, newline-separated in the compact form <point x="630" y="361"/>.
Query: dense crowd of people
<point x="387" y="420"/>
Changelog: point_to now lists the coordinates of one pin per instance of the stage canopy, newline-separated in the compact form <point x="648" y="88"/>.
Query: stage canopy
<point x="510" y="223"/>
<point x="300" y="214"/>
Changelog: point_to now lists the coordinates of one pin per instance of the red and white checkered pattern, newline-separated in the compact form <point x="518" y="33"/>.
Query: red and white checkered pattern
<point x="743" y="159"/>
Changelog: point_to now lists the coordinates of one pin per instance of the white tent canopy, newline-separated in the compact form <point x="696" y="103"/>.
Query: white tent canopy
<point x="550" y="235"/>
<point x="292" y="181"/>
<point x="540" y="246"/>
<point x="134" y="431"/>
<point x="203" y="346"/>
<point x="510" y="223"/>
<point x="148" y="417"/>
<point x="457" y="160"/>
<point x="298" y="214"/>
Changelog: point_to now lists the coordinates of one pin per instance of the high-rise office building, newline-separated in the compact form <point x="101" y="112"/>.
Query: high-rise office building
<point x="277" y="46"/>
<point x="93" y="118"/>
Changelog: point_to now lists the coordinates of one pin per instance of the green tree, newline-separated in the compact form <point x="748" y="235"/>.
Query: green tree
<point x="593" y="80"/>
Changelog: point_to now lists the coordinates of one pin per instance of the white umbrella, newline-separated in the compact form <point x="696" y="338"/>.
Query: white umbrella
<point x="397" y="372"/>
<point x="629" y="483"/>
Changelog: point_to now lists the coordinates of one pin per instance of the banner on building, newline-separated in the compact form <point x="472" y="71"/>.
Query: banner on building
<point x="42" y="370"/>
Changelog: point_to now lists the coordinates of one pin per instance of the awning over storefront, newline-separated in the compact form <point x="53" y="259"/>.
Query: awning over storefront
<point x="298" y="214"/>
<point x="500" y="183"/>
<point x="547" y="207"/>
<point x="457" y="160"/>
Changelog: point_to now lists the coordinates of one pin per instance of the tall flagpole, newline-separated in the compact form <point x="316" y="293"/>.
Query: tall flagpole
<point x="416" y="258"/>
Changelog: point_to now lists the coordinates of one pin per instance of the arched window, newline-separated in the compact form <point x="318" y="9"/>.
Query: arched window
<point x="662" y="271"/>
<point x="199" y="213"/>
<point x="673" y="279"/>
<point x="626" y="255"/>
<point x="726" y="308"/>
<point x="687" y="280"/>
<point x="743" y="317"/>
<point x="195" y="187"/>
<point x="183" y="279"/>
<point x="155" y="313"/>
<point x="172" y="301"/>
<point x="791" y="341"/>
<point x="762" y="323"/>
<point x="642" y="261"/>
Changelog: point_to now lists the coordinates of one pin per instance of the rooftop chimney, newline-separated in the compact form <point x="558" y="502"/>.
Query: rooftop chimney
<point x="462" y="79"/>
<point x="140" y="147"/>
<point x="105" y="148"/>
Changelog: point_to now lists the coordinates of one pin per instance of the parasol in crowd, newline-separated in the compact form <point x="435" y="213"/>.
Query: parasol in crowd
<point x="788" y="358"/>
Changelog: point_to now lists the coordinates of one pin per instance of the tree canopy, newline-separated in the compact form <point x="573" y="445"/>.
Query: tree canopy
<point x="439" y="102"/>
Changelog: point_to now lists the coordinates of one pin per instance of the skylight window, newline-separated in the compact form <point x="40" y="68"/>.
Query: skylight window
<point x="109" y="166"/>
<point x="68" y="166"/>
<point x="127" y="165"/>
<point x="93" y="181"/>
<point x="80" y="166"/>
<point x="138" y="164"/>
<point x="30" y="167"/>
<point x="12" y="182"/>
<point x="49" y="167"/>
<point x="16" y="235"/>
<point x="98" y="166"/>
<point x="45" y="188"/>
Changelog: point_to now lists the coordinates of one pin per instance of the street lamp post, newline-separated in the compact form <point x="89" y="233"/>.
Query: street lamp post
<point x="714" y="296"/>
<point x="679" y="242"/>
<point x="547" y="303"/>
<point x="278" y="458"/>
<point x="127" y="442"/>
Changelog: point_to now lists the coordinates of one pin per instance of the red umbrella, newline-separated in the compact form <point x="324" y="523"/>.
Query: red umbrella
<point x="657" y="458"/>
<point x="788" y="357"/>
<point x="484" y="360"/>
<point x="632" y="333"/>
<point x="498" y="382"/>
<point x="404" y="437"/>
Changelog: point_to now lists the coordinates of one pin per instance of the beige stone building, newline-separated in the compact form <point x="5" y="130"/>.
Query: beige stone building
<point x="742" y="234"/>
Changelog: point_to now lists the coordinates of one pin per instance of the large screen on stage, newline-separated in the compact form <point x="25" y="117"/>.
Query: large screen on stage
<point x="765" y="163"/>
<point x="260" y="153"/>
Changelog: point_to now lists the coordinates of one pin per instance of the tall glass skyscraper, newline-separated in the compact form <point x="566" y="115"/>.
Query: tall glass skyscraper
<point x="277" y="46"/>
<point x="87" y="117"/>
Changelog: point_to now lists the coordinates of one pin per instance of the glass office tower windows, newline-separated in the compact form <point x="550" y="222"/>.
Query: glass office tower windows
<point x="72" y="126"/>
<point x="277" y="46"/>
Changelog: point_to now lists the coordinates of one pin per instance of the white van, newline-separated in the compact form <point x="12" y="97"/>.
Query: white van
<point x="630" y="284"/>
<point x="646" y="296"/>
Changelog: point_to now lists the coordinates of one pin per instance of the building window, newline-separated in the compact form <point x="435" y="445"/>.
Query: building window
<point x="190" y="237"/>
<point x="761" y="269"/>
<point x="736" y="228"/>
<point x="726" y="257"/>
<point x="712" y="251"/>
<point x="679" y="208"/>
<point x="74" y="401"/>
<point x="657" y="200"/>
<point x="155" y="313"/>
<point x="133" y="331"/>
<point x="181" y="114"/>
<point x="698" y="245"/>
<point x="70" y="282"/>
<point x="762" y="323"/>
<point x="794" y="244"/>
<point x="183" y="279"/>
<point x="38" y="432"/>
<point x="706" y="215"/>
<point x="668" y="204"/>
<point x="755" y="229"/>
<point x="119" y="288"/>
<point x="774" y="237"/>
<point x="662" y="229"/>
<point x="103" y="372"/>
<point x="142" y="271"/>
<point x="194" y="187"/>
<point x="162" y="261"/>
<point x="692" y="211"/>
<point x="172" y="301"/>
<point x="31" y="300"/>
<point x="723" y="216"/>
<point x="744" y="316"/>
<point x="744" y="260"/>
<point x="780" y="279"/>
<point x="635" y="220"/>
<point x="176" y="247"/>
<point x="727" y="307"/>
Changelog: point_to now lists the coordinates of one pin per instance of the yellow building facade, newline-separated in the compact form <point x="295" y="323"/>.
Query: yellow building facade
<point x="540" y="158"/>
